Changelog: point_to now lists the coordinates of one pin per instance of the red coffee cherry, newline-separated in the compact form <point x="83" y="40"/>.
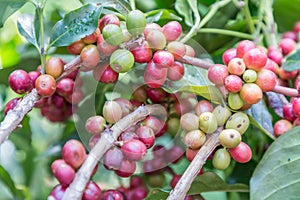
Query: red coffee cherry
<point x="291" y="35"/>
<point x="128" y="135"/>
<point x="134" y="150"/>
<point x="190" y="154"/>
<point x="58" y="101"/>
<point x="11" y="105"/>
<point x="174" y="154"/>
<point x="63" y="172"/>
<point x="20" y="81"/>
<point x="136" y="181"/>
<point x="33" y="76"/>
<point x="156" y="95"/>
<point x="287" y="45"/>
<point x="105" y="74"/>
<point x="76" y="47"/>
<point x="172" y="30"/>
<point x="112" y="195"/>
<point x="286" y="75"/>
<point x="242" y="153"/>
<point x="243" y="47"/>
<point x="65" y="87"/>
<point x="105" y="48"/>
<point x="163" y="58"/>
<point x="297" y="27"/>
<point x="176" y="71"/>
<point x="92" y="38"/>
<point x="95" y="124"/>
<point x="255" y="59"/>
<point x="113" y="159"/>
<point x="217" y="74"/>
<point x="94" y="139"/>
<point x="228" y="55"/>
<point x="92" y="192"/>
<point x="127" y="168"/>
<point x="108" y="19"/>
<point x="142" y="53"/>
<point x="233" y="83"/>
<point x="296" y="106"/>
<point x="203" y="106"/>
<point x="54" y="67"/>
<point x="146" y="135"/>
<point x="288" y="112"/>
<point x="175" y="180"/>
<point x="151" y="26"/>
<point x="90" y="57"/>
<point x="126" y="106"/>
<point x="251" y="93"/>
<point x="275" y="54"/>
<point x="266" y="80"/>
<point x="57" y="193"/>
<point x="73" y="153"/>
<point x="178" y="49"/>
<point x="271" y="65"/>
<point x="45" y="85"/>
<point x="140" y="193"/>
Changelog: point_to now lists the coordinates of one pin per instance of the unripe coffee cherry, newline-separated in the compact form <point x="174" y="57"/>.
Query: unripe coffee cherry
<point x="126" y="106"/>
<point x="173" y="125"/>
<point x="20" y="81"/>
<point x="156" y="40"/>
<point x="208" y="122"/>
<point x="73" y="153"/>
<point x="203" y="106"/>
<point x="189" y="122"/>
<point x="238" y="121"/>
<point x="92" y="192"/>
<point x="112" y="111"/>
<point x="217" y="74"/>
<point x="233" y="83"/>
<point x="105" y="48"/>
<point x="121" y="60"/>
<point x="112" y="34"/>
<point x="172" y="30"/>
<point x="113" y="159"/>
<point x="221" y="159"/>
<point x="45" y="85"/>
<point x="230" y="138"/>
<point x="95" y="124"/>
<point x="251" y="93"/>
<point x="127" y="168"/>
<point x="266" y="80"/>
<point x="151" y="26"/>
<point x="157" y="180"/>
<point x="92" y="38"/>
<point x="108" y="19"/>
<point x="142" y="53"/>
<point x="54" y="67"/>
<point x="250" y="76"/>
<point x="178" y="49"/>
<point x="255" y="59"/>
<point x="282" y="126"/>
<point x="286" y="75"/>
<point x="189" y="51"/>
<point x="222" y="114"/>
<point x="235" y="101"/>
<point x="228" y="55"/>
<point x="163" y="58"/>
<point x="135" y="22"/>
<point x="146" y="135"/>
<point x="236" y="66"/>
<point x="271" y="65"/>
<point x="90" y="57"/>
<point x="63" y="172"/>
<point x="194" y="139"/>
<point x="243" y="47"/>
<point x="176" y="71"/>
<point x="241" y="153"/>
<point x="134" y="150"/>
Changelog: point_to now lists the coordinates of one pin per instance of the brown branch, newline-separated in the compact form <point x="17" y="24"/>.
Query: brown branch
<point x="290" y="92"/>
<point x="108" y="137"/>
<point x="185" y="182"/>
<point x="204" y="64"/>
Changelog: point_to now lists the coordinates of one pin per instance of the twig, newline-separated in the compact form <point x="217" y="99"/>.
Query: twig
<point x="196" y="62"/>
<point x="186" y="180"/>
<point x="76" y="188"/>
<point x="290" y="92"/>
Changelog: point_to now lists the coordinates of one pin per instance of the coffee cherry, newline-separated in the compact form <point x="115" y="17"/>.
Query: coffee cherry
<point x="94" y="139"/>
<point x="172" y="30"/>
<point x="155" y="72"/>
<point x="142" y="53"/>
<point x="243" y="47"/>
<point x="288" y="112"/>
<point x="230" y="138"/>
<point x="189" y="122"/>
<point x="128" y="135"/>
<point x="217" y="74"/>
<point x="174" y="154"/>
<point x="105" y="74"/>
<point x="233" y="83"/>
<point x="92" y="38"/>
<point x="140" y="193"/>
<point x="251" y="93"/>
<point x="11" y="105"/>
<point x="286" y="75"/>
<point x="73" y="153"/>
<point x="242" y="153"/>
<point x="45" y="85"/>
<point x="112" y="195"/>
<point x="108" y="19"/>
<point x="159" y="151"/>
<point x="92" y="192"/>
<point x="287" y="45"/>
<point x="275" y="54"/>
<point x="228" y="55"/>
<point x="203" y="106"/>
<point x="297" y="27"/>
<point x="135" y="22"/>
<point x="235" y="101"/>
<point x="113" y="159"/>
<point x="208" y="122"/>
<point x="156" y="39"/>
<point x="112" y="111"/>
<point x="104" y="47"/>
<point x="271" y="65"/>
<point x="291" y="35"/>
<point x="221" y="159"/>
<point x="121" y="60"/>
<point x="65" y="87"/>
<point x="266" y="80"/>
<point x="127" y="168"/>
<point x="90" y="57"/>
<point x="20" y="81"/>
<point x="189" y="51"/>
<point x="157" y="180"/>
<point x="178" y="49"/>
<point x="95" y="124"/>
<point x="151" y="26"/>
<point x="236" y="66"/>
<point x="282" y="126"/>
<point x="126" y="106"/>
<point x="249" y="76"/>
<point x="57" y="193"/>
<point x="57" y="101"/>
<point x="194" y="139"/>
<point x="173" y="125"/>
<point x="190" y="154"/>
<point x="112" y="34"/>
<point x="176" y="71"/>
<point x="163" y="58"/>
<point x="238" y="121"/>
<point x="255" y="59"/>
<point x="222" y="114"/>
<point x="146" y="135"/>
<point x="175" y="180"/>
<point x="76" y="47"/>
<point x="54" y="67"/>
<point x="33" y="76"/>
<point x="63" y="172"/>
<point x="134" y="150"/>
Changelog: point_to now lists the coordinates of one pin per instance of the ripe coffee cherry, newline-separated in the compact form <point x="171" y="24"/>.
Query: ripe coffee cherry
<point x="251" y="93"/>
<point x="112" y="111"/>
<point x="157" y="95"/>
<point x="222" y="114"/>
<point x="127" y="168"/>
<point x="126" y="106"/>
<point x="54" y="67"/>
<point x="151" y="26"/>
<point x="156" y="39"/>
<point x="238" y="121"/>
<point x="57" y="193"/>
<point x="297" y="27"/>
<point x="174" y="154"/>
<point x="255" y="59"/>
<point x="217" y="74"/>
<point x="45" y="85"/>
<point x="230" y="138"/>
<point x="20" y="81"/>
<point x="178" y="49"/>
<point x="128" y="135"/>
<point x="235" y="101"/>
<point x="163" y="58"/>
<point x="134" y="150"/>
<point x="291" y="35"/>
<point x="113" y="159"/>
<point x="275" y="54"/>
<point x="11" y="105"/>
<point x="94" y="139"/>
<point x="33" y="76"/>
<point x="136" y="181"/>
<point x="243" y="47"/>
<point x="140" y="193"/>
<point x="242" y="153"/>
<point x="135" y="22"/>
<point x="95" y="124"/>
<point x="194" y="139"/>
<point x="172" y="30"/>
<point x="65" y="87"/>
<point x="208" y="122"/>
<point x="155" y="72"/>
<point x="176" y="71"/>
<point x="228" y="55"/>
<point x="108" y="19"/>
<point x="76" y="47"/>
<point x="112" y="34"/>
<point x="203" y="106"/>
<point x="271" y="65"/>
<point x="121" y="60"/>
<point x="112" y="195"/>
<point x="92" y="38"/>
<point x="73" y="153"/>
<point x="287" y="45"/>
<point x="58" y="101"/>
<point x="285" y="75"/>
<point x="105" y="48"/>
<point x="249" y="76"/>
<point x="189" y="122"/>
<point x="190" y="154"/>
<point x="236" y="66"/>
<point x="63" y="172"/>
<point x="221" y="159"/>
<point x="189" y="51"/>
<point x="90" y="57"/>
<point x="146" y="135"/>
<point x="282" y="126"/>
<point x="105" y="74"/>
<point x="233" y="83"/>
<point x="175" y="180"/>
<point x="266" y="80"/>
<point x="288" y="112"/>
<point x="92" y="192"/>
<point x="142" y="53"/>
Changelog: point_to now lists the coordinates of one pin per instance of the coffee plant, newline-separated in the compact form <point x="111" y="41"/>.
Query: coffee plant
<point x="132" y="99"/>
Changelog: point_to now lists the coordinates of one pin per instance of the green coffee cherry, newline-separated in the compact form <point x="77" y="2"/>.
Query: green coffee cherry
<point x="249" y="76"/>
<point x="208" y="122"/>
<point x="157" y="180"/>
<point x="221" y="159"/>
<point x="121" y="60"/>
<point x="112" y="34"/>
<point x="135" y="22"/>
<point x="230" y="138"/>
<point x="235" y="101"/>
<point x="194" y="139"/>
<point x="222" y="114"/>
<point x="238" y="121"/>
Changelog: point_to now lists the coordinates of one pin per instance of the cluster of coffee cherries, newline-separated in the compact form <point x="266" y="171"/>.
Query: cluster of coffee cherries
<point x="247" y="73"/>
<point x="58" y="97"/>
<point x="205" y="120"/>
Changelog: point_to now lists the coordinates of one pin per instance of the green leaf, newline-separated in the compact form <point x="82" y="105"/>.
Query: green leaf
<point x="259" y="126"/>
<point x="211" y="182"/>
<point x="75" y="25"/>
<point x="277" y="175"/>
<point x="121" y="6"/>
<point x="157" y="194"/>
<point x="8" y="7"/>
<point x="292" y="62"/>
<point x="21" y="137"/>
<point x="7" y="180"/>
<point x="156" y="15"/>
<point x="183" y="8"/>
